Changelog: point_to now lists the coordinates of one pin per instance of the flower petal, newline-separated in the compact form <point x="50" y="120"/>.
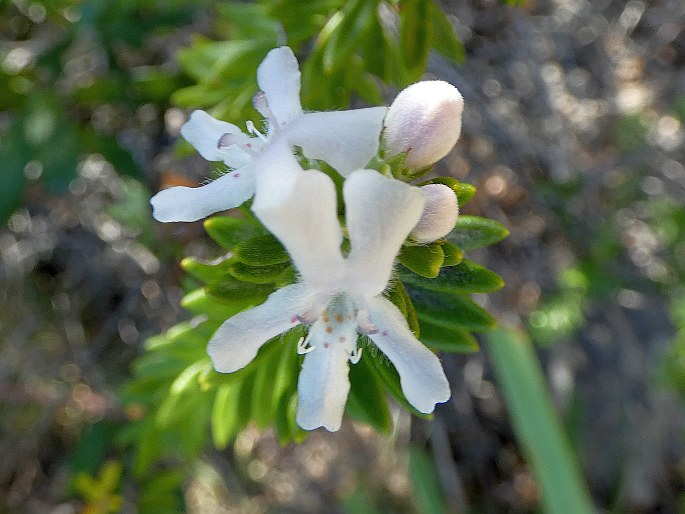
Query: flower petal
<point x="422" y="378"/>
<point x="323" y="387"/>
<point x="276" y="168"/>
<point x="238" y="340"/>
<point x="305" y="221"/>
<point x="279" y="77"/>
<point x="203" y="132"/>
<point x="193" y="203"/>
<point x="380" y="214"/>
<point x="347" y="140"/>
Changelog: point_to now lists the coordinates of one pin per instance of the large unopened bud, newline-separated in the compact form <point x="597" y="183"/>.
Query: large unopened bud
<point x="439" y="214"/>
<point x="425" y="122"/>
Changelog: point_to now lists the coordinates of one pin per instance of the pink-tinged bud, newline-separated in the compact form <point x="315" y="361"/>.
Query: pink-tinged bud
<point x="424" y="121"/>
<point x="439" y="216"/>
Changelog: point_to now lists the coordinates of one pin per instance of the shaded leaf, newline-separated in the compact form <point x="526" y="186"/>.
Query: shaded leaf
<point x="367" y="402"/>
<point x="225" y="414"/>
<point x="263" y="250"/>
<point x="465" y="277"/>
<point x="445" y="38"/>
<point x="448" y="339"/>
<point x="261" y="274"/>
<point x="450" y="310"/>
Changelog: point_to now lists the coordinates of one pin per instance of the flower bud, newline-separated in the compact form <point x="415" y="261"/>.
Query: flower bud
<point x="439" y="214"/>
<point x="425" y="122"/>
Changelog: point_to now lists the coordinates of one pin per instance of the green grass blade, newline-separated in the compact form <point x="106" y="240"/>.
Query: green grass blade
<point x="536" y="423"/>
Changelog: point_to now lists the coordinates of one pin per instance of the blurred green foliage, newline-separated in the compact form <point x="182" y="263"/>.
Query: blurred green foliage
<point x="68" y="63"/>
<point x="349" y="49"/>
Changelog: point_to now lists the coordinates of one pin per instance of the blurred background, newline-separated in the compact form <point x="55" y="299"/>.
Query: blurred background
<point x="572" y="134"/>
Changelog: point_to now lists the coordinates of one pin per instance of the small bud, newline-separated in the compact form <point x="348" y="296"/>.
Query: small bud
<point x="439" y="214"/>
<point x="425" y="122"/>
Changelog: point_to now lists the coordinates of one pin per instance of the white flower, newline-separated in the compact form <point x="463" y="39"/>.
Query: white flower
<point x="425" y="122"/>
<point x="346" y="140"/>
<point x="439" y="214"/>
<point x="337" y="296"/>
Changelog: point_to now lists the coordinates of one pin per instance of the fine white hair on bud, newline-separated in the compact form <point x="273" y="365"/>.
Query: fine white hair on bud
<point x="439" y="215"/>
<point x="424" y="121"/>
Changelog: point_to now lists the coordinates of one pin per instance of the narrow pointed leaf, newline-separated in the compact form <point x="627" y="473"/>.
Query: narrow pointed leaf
<point x="259" y="274"/>
<point x="207" y="272"/>
<point x="465" y="277"/>
<point x="474" y="232"/>
<point x="415" y="35"/>
<point x="451" y="310"/>
<point x="264" y="250"/>
<point x="367" y="402"/>
<point x="398" y="295"/>
<point x="201" y="301"/>
<point x="235" y="292"/>
<point x="537" y="424"/>
<point x="448" y="339"/>
<point x="224" y="414"/>
<point x="445" y="39"/>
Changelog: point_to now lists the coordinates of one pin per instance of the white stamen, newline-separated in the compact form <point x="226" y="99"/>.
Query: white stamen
<point x="303" y="346"/>
<point x="253" y="130"/>
<point x="355" y="355"/>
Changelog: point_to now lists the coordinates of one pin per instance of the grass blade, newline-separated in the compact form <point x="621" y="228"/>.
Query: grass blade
<point x="536" y="423"/>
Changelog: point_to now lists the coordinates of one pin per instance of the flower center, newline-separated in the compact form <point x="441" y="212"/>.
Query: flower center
<point x="335" y="329"/>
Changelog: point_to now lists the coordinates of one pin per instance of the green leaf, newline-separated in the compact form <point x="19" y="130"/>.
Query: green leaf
<point x="445" y="39"/>
<point x="448" y="339"/>
<point x="474" y="232"/>
<point x="465" y="277"/>
<point x="263" y="250"/>
<point x="225" y="414"/>
<point x="450" y="310"/>
<point x="427" y="492"/>
<point x="423" y="260"/>
<point x="367" y="402"/>
<point x="202" y="301"/>
<point x="53" y="141"/>
<point x="188" y="377"/>
<point x="453" y="254"/>
<point x="228" y="232"/>
<point x="344" y="32"/>
<point x="536" y="423"/>
<point x="398" y="295"/>
<point x="210" y="273"/>
<point x="264" y="396"/>
<point x="231" y="291"/>
<point x="13" y="155"/>
<point x="415" y="35"/>
<point x="261" y="274"/>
